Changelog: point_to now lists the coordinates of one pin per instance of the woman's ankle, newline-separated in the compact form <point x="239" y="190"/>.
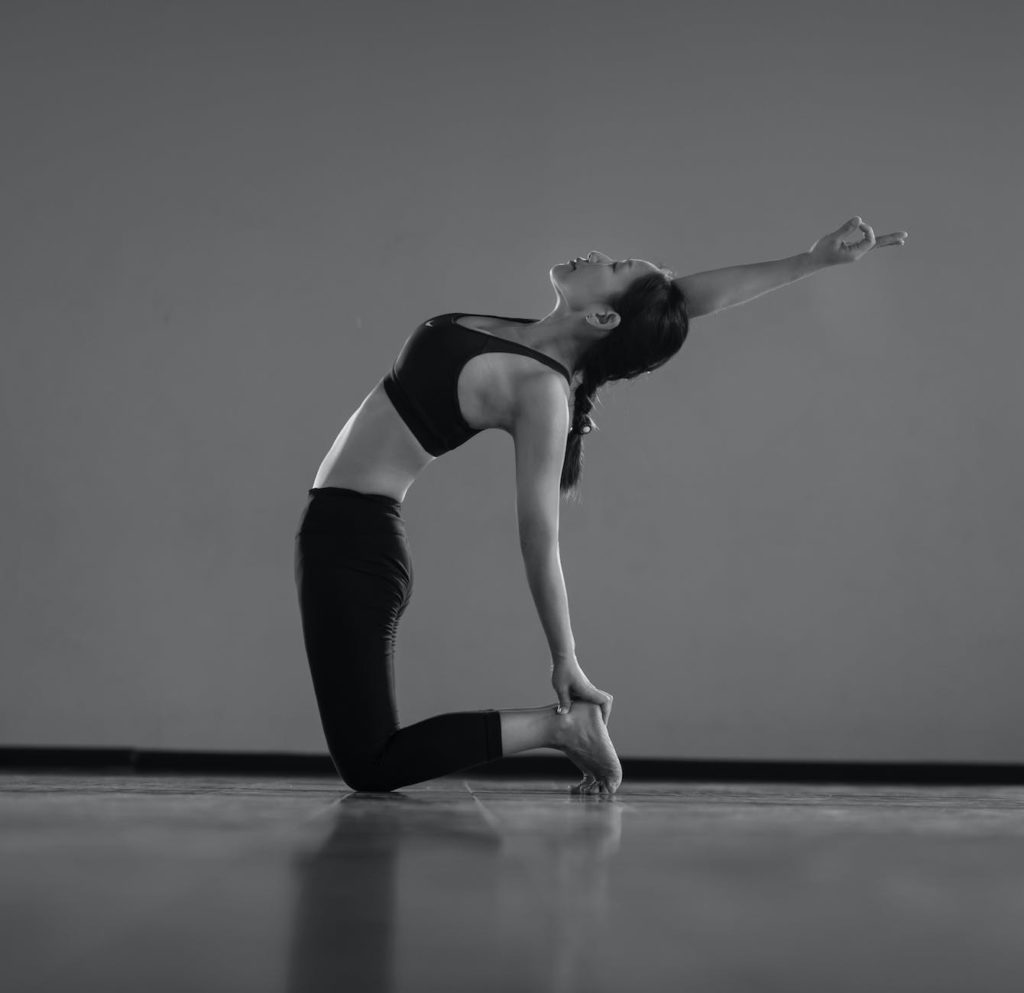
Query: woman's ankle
<point x="525" y="728"/>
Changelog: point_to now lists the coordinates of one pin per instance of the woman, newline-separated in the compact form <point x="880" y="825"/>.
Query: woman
<point x="459" y="374"/>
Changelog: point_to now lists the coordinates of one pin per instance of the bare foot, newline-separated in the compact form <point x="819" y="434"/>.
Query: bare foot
<point x="583" y="736"/>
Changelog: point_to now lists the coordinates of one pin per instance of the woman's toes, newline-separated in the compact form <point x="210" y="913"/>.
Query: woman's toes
<point x="583" y="785"/>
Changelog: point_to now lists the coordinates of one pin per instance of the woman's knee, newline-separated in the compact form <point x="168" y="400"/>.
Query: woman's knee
<point x="366" y="776"/>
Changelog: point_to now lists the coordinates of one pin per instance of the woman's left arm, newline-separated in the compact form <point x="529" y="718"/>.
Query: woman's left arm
<point x="714" y="290"/>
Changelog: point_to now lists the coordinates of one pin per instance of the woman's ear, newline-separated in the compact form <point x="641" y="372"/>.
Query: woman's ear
<point x="604" y="318"/>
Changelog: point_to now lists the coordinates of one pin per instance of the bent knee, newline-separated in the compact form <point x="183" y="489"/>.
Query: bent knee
<point x="366" y="777"/>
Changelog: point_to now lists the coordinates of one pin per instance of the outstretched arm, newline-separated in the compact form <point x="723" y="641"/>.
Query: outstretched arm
<point x="714" y="290"/>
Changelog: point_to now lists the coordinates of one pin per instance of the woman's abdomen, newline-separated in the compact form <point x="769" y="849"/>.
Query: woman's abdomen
<point x="375" y="452"/>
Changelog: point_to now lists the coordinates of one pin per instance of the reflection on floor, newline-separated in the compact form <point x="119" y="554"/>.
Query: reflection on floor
<point x="183" y="884"/>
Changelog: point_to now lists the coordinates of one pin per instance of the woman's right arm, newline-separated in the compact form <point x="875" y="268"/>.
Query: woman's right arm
<point x="540" y="431"/>
<point x="547" y="585"/>
<point x="716" y="289"/>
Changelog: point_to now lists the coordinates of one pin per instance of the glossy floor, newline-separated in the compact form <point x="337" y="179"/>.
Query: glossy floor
<point x="170" y="883"/>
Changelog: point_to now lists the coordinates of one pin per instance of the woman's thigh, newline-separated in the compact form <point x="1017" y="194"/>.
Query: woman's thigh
<point x="352" y="593"/>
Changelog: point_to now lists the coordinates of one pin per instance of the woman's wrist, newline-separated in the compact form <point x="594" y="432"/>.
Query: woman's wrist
<point x="807" y="263"/>
<point x="563" y="658"/>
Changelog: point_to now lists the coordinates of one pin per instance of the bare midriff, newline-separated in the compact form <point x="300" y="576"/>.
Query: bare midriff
<point x="376" y="451"/>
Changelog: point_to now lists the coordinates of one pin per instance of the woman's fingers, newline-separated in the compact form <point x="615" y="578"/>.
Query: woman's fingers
<point x="593" y="695"/>
<point x="575" y="686"/>
<point x="850" y="251"/>
<point x="864" y="244"/>
<point x="896" y="238"/>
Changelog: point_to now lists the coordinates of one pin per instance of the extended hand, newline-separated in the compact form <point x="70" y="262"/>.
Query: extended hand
<point x="838" y="246"/>
<point x="571" y="683"/>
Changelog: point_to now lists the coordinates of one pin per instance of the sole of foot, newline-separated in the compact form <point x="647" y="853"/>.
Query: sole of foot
<point x="583" y="736"/>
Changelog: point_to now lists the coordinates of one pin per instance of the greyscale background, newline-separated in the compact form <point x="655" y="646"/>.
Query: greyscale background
<point x="800" y="539"/>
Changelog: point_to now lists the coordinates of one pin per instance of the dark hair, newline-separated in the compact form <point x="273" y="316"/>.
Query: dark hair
<point x="653" y="326"/>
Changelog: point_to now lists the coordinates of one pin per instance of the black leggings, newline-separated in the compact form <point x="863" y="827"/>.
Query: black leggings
<point x="353" y="571"/>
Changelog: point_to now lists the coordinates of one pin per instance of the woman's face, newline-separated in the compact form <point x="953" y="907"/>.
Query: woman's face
<point x="596" y="277"/>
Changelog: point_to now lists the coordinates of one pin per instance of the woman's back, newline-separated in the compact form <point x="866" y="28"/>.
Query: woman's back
<point x="378" y="452"/>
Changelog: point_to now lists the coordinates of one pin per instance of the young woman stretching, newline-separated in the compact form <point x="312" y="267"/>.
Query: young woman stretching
<point x="456" y="375"/>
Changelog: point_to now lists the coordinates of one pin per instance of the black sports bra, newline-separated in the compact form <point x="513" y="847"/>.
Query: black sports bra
<point x="423" y="382"/>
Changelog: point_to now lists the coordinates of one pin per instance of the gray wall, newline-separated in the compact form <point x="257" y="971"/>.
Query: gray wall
<point x="799" y="540"/>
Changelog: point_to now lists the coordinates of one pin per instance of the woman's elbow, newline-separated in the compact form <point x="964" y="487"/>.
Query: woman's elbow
<point x="537" y="537"/>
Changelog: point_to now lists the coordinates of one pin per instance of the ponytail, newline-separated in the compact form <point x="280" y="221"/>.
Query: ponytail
<point x="652" y="328"/>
